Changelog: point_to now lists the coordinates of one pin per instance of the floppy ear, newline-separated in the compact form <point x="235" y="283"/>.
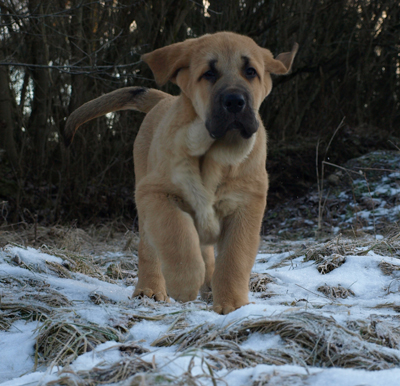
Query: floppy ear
<point x="282" y="63"/>
<point x="167" y="61"/>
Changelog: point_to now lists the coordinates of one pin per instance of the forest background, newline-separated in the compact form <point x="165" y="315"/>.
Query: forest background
<point x="56" y="55"/>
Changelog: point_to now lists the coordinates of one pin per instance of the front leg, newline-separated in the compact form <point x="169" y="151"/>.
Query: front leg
<point x="237" y="250"/>
<point x="151" y="282"/>
<point x="172" y="234"/>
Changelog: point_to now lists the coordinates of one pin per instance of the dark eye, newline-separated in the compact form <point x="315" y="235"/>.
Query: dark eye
<point x="210" y="75"/>
<point x="250" y="72"/>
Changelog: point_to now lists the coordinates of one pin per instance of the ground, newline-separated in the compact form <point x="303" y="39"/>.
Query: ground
<point x="325" y="300"/>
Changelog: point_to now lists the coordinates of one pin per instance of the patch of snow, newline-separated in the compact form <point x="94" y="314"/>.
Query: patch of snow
<point x="17" y="350"/>
<point x="295" y="288"/>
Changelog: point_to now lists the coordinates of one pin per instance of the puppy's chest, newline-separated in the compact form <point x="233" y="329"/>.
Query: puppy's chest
<point x="218" y="182"/>
<point x="206" y="186"/>
<point x="225" y="201"/>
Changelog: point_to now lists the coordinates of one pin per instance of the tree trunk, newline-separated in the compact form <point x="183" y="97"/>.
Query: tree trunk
<point x="37" y="124"/>
<point x="6" y="120"/>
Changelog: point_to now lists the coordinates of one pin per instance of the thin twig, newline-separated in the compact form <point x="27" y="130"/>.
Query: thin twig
<point x="314" y="293"/>
<point x="341" y="167"/>
<point x="319" y="185"/>
<point x="67" y="69"/>
<point x="320" y="181"/>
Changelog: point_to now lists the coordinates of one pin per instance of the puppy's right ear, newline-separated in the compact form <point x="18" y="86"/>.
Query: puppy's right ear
<point x="167" y="61"/>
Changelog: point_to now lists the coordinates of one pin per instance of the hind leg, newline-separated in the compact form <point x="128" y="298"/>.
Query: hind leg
<point x="209" y="261"/>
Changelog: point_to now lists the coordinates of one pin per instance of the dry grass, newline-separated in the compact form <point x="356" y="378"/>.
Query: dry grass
<point x="98" y="298"/>
<point x="27" y="299"/>
<point x="336" y="292"/>
<point x="319" y="252"/>
<point x="339" y="246"/>
<point x="72" y="262"/>
<point x="135" y="318"/>
<point x="60" y="341"/>
<point x="276" y="379"/>
<point x="134" y="371"/>
<point x="186" y="337"/>
<point x="186" y="379"/>
<point x="320" y="341"/>
<point x="75" y="262"/>
<point x="259" y="282"/>
<point x="131" y="349"/>
<point x="394" y="306"/>
<point x="388" y="268"/>
<point x="332" y="253"/>
<point x="28" y="310"/>
<point x="379" y="331"/>
<point x="91" y="240"/>
<point x="50" y="297"/>
<point x="59" y="269"/>
<point x="104" y="374"/>
<point x="71" y="238"/>
<point x="330" y="263"/>
<point x="122" y="270"/>
<point x="229" y="355"/>
<point x="313" y="340"/>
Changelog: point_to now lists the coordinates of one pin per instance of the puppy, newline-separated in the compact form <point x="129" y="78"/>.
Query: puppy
<point x="199" y="163"/>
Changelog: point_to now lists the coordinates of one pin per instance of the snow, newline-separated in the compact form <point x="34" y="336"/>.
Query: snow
<point x="295" y="287"/>
<point x="148" y="331"/>
<point x="17" y="349"/>
<point x="262" y="342"/>
<point x="277" y="375"/>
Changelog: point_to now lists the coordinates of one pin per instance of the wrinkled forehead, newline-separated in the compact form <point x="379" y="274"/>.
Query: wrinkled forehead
<point x="226" y="51"/>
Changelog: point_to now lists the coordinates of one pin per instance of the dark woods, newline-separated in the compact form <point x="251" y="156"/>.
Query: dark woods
<point x="56" y="55"/>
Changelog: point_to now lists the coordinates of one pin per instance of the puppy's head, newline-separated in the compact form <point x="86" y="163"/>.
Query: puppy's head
<point x="225" y="75"/>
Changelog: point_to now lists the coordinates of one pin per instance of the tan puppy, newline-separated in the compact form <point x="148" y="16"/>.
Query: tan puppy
<point x="200" y="165"/>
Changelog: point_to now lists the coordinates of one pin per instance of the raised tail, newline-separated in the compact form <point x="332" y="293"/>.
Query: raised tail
<point x="127" y="98"/>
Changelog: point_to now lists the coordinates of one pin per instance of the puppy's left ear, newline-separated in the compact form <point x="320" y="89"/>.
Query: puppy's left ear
<point x="282" y="64"/>
<point x="167" y="61"/>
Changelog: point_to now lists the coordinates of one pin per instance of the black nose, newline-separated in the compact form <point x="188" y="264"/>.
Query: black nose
<point x="233" y="103"/>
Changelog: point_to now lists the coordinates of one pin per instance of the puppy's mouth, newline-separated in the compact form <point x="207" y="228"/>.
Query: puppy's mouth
<point x="237" y="125"/>
<point x="220" y="129"/>
<point x="231" y="112"/>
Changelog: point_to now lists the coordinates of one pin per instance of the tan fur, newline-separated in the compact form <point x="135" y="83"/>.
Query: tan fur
<point x="195" y="187"/>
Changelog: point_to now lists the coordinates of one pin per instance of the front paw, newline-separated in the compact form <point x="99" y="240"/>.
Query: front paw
<point x="156" y="294"/>
<point x="185" y="289"/>
<point x="184" y="294"/>
<point x="183" y="283"/>
<point x="227" y="301"/>
<point x="226" y="308"/>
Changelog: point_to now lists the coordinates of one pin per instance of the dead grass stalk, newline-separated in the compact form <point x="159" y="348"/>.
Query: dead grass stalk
<point x="59" y="342"/>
